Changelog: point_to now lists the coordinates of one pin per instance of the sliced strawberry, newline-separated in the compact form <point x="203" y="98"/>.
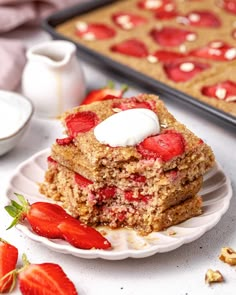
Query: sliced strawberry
<point x="127" y="20"/>
<point x="228" y="5"/>
<point x="225" y="90"/>
<point x="132" y="103"/>
<point x="51" y="160"/>
<point x="216" y="50"/>
<point x="8" y="260"/>
<point x="94" y="31"/>
<point x="82" y="181"/>
<point x="82" y="236"/>
<point x="108" y="92"/>
<point x="166" y="56"/>
<point x="129" y="196"/>
<point x="46" y="279"/>
<point x="184" y="71"/>
<point x="165" y="14"/>
<point x="138" y="178"/>
<point x="171" y="36"/>
<point x="64" y="141"/>
<point x="131" y="47"/>
<point x="80" y="122"/>
<point x="107" y="192"/>
<point x="200" y="18"/>
<point x="164" y="146"/>
<point x="157" y="5"/>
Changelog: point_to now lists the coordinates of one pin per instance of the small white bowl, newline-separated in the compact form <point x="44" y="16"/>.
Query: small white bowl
<point x="15" y="114"/>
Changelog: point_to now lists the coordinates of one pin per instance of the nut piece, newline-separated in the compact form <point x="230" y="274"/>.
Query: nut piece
<point x="228" y="255"/>
<point x="213" y="276"/>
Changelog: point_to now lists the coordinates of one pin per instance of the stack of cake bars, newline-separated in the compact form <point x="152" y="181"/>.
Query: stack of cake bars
<point x="121" y="186"/>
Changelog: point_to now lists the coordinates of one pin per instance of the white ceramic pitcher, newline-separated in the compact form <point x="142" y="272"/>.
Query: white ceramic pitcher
<point x="53" y="78"/>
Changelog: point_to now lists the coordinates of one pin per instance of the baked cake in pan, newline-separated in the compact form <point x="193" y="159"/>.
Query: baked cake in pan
<point x="185" y="44"/>
<point x="148" y="185"/>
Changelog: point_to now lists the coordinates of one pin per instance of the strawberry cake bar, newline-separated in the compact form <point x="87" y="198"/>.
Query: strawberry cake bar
<point x="127" y="163"/>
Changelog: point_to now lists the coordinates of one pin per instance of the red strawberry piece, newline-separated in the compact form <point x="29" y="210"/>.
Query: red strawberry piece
<point x="131" y="47"/>
<point x="228" y="5"/>
<point x="200" y="18"/>
<point x="82" y="181"/>
<point x="165" y="14"/>
<point x="64" y="141"/>
<point x="164" y="146"/>
<point x="132" y="103"/>
<point x="108" y="92"/>
<point x="51" y="160"/>
<point x="82" y="236"/>
<point x="8" y="260"/>
<point x="94" y="31"/>
<point x="170" y="36"/>
<point x="43" y="217"/>
<point x="45" y="279"/>
<point x="166" y="56"/>
<point x="80" y="122"/>
<point x="128" y="21"/>
<point x="184" y="71"/>
<point x="138" y="178"/>
<point x="107" y="192"/>
<point x="216" y="50"/>
<point x="157" y="5"/>
<point x="129" y="196"/>
<point x="225" y="90"/>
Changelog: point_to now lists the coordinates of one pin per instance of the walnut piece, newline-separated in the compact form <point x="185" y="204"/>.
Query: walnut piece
<point x="213" y="276"/>
<point x="228" y="255"/>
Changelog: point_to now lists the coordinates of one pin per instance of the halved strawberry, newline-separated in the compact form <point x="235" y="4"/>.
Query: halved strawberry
<point x="132" y="103"/>
<point x="228" y="5"/>
<point x="225" y="90"/>
<point x="171" y="36"/>
<point x="216" y="50"/>
<point x="8" y="260"/>
<point x="200" y="18"/>
<point x="131" y="47"/>
<point x="166" y="55"/>
<point x="157" y="5"/>
<point x="82" y="236"/>
<point x="164" y="146"/>
<point x="130" y="196"/>
<point x="94" y="31"/>
<point x="64" y="141"/>
<point x="108" y="92"/>
<point x="45" y="279"/>
<point x="127" y="20"/>
<point x="80" y="122"/>
<point x="180" y="71"/>
<point x="82" y="181"/>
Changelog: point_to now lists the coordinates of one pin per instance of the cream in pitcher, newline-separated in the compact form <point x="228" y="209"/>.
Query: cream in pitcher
<point x="53" y="78"/>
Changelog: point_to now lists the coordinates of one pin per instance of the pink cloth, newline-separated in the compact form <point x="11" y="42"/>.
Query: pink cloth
<point x="15" y="13"/>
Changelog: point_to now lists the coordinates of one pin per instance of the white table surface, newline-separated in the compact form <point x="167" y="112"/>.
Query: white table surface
<point x="179" y="272"/>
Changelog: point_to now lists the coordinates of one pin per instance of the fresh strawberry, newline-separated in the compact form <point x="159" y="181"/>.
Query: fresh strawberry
<point x="127" y="20"/>
<point x="80" y="122"/>
<point x="108" y="92"/>
<point x="166" y="56"/>
<point x="164" y="146"/>
<point x="8" y="260"/>
<point x="43" y="217"/>
<point x="94" y="31"/>
<point x="131" y="47"/>
<point x="132" y="103"/>
<point x="216" y="50"/>
<point x="82" y="236"/>
<point x="171" y="36"/>
<point x="200" y="18"/>
<point x="138" y="178"/>
<point x="107" y="192"/>
<point x="64" y="141"/>
<point x="225" y="90"/>
<point x="162" y="15"/>
<point x="228" y="5"/>
<point x="129" y="196"/>
<point x="157" y="5"/>
<point x="82" y="181"/>
<point x="44" y="279"/>
<point x="184" y="71"/>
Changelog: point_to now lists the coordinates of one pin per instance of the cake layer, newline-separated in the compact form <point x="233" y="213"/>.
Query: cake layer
<point x="88" y="201"/>
<point x="87" y="156"/>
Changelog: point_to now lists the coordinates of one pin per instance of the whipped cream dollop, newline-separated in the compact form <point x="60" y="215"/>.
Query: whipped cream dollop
<point x="127" y="128"/>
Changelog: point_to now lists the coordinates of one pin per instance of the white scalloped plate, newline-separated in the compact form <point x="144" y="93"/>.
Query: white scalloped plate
<point x="216" y="193"/>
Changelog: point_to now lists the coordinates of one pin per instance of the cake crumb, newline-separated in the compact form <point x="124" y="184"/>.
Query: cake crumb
<point x="228" y="255"/>
<point x="213" y="276"/>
